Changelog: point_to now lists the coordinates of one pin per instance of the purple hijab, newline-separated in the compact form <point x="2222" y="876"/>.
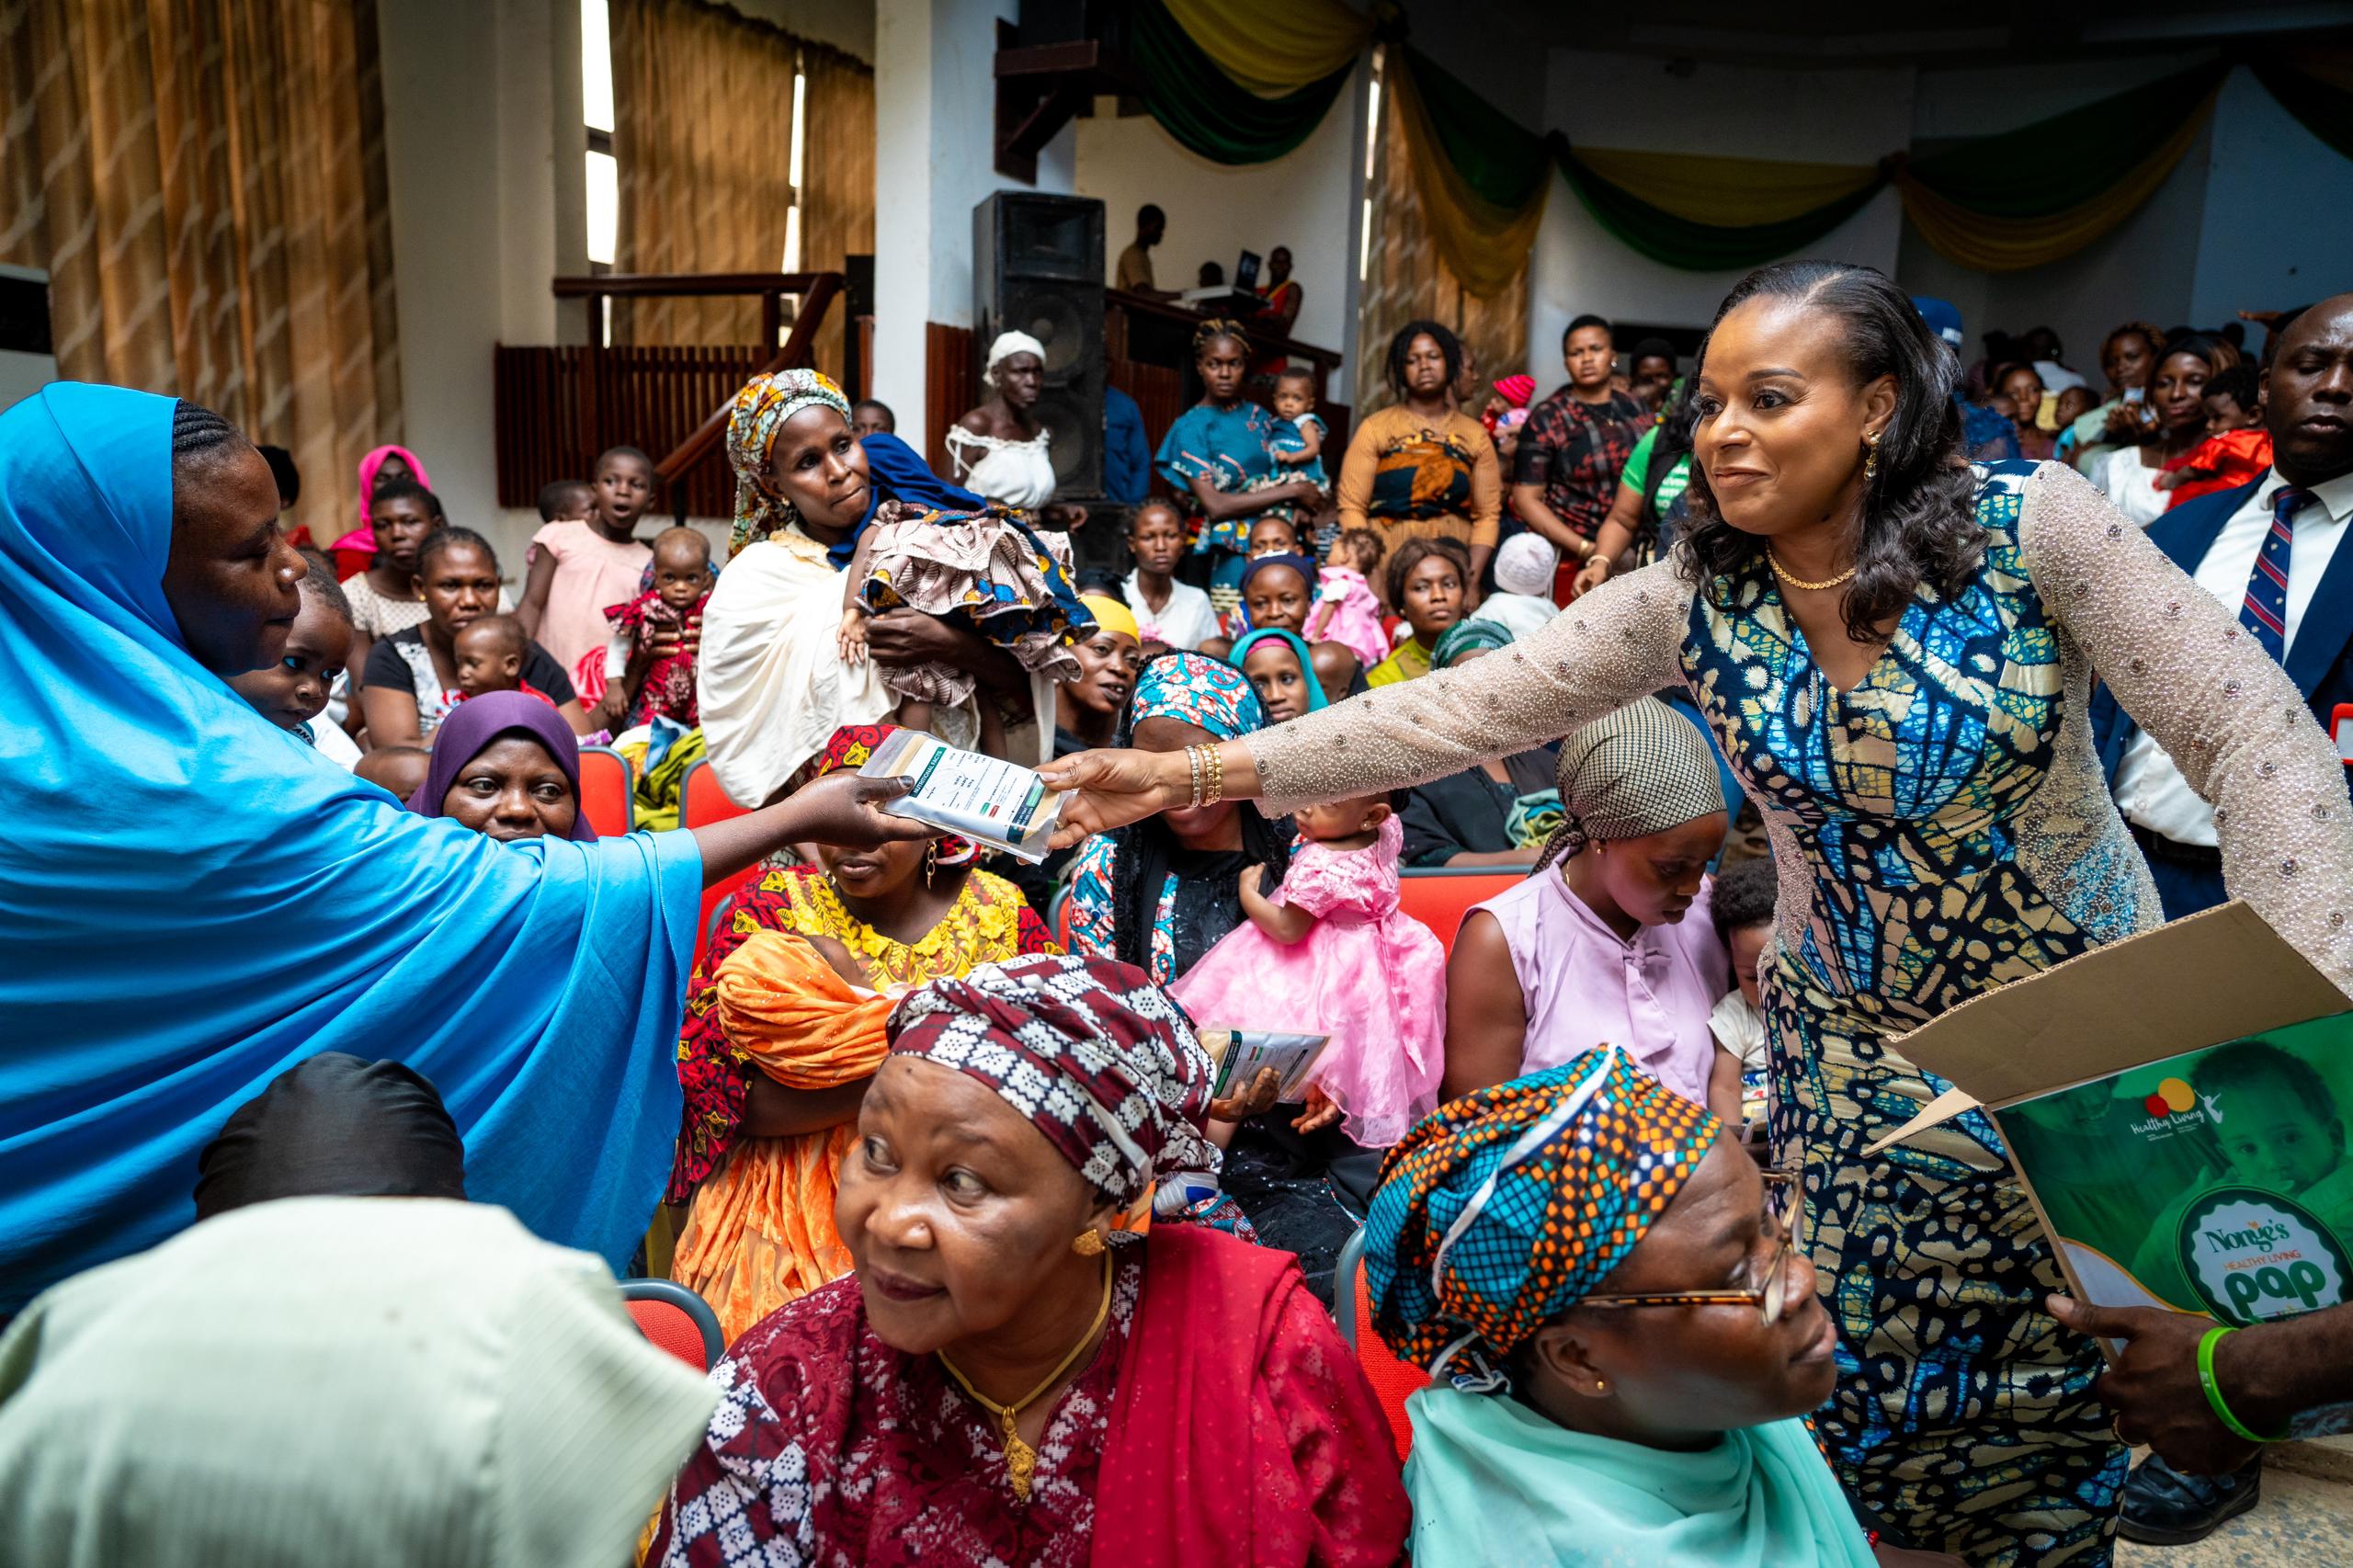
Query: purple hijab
<point x="475" y="722"/>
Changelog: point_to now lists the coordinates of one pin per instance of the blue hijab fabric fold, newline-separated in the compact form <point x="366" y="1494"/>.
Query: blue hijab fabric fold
<point x="191" y="902"/>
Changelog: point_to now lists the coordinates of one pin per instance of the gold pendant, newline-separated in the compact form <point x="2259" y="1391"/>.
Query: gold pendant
<point x="1020" y="1459"/>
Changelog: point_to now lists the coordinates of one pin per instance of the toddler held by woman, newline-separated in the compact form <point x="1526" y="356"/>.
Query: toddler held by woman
<point x="1327" y="951"/>
<point x="989" y="570"/>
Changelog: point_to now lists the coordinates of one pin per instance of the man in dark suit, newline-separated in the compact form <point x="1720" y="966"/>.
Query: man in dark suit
<point x="2275" y="550"/>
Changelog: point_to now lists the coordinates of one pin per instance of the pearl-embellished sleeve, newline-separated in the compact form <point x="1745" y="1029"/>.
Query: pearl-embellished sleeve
<point x="1619" y="642"/>
<point x="2205" y="691"/>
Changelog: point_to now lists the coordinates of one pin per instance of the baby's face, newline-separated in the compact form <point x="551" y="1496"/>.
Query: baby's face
<point x="486" y="661"/>
<point x="2272" y="1138"/>
<point x="680" y="576"/>
<point x="1747" y="947"/>
<point x="1339" y="818"/>
<point x="1291" y="400"/>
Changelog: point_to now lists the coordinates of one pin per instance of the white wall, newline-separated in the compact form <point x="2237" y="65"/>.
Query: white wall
<point x="21" y="375"/>
<point x="847" y="24"/>
<point x="1715" y="110"/>
<point x="1305" y="200"/>
<point x="482" y="110"/>
<point x="2141" y="269"/>
<point x="2278" y="228"/>
<point x="934" y="155"/>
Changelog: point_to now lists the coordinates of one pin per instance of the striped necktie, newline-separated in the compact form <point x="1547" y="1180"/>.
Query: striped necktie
<point x="2265" y="613"/>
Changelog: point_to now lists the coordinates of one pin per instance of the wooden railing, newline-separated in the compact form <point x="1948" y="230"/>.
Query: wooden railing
<point x="558" y="408"/>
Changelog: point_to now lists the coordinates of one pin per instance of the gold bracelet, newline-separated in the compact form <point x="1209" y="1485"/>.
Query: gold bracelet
<point x="1217" y="776"/>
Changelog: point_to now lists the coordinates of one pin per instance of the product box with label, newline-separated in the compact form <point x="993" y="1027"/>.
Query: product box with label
<point x="2179" y="1106"/>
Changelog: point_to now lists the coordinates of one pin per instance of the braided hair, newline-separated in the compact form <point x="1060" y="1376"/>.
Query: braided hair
<point x="196" y="431"/>
<point x="1209" y="331"/>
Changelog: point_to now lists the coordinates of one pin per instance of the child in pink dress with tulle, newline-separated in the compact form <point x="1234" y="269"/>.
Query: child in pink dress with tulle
<point x="1329" y="952"/>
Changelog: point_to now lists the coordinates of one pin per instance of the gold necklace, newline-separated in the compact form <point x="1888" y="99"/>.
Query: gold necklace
<point x="1786" y="576"/>
<point x="1020" y="1459"/>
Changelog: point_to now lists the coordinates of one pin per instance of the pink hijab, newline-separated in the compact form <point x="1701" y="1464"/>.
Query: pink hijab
<point x="362" y="539"/>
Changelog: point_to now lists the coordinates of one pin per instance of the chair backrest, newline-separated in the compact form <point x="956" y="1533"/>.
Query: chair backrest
<point x="675" y="1319"/>
<point x="1058" y="918"/>
<point x="702" y="802"/>
<point x="606" y="791"/>
<point x="1391" y="1379"/>
<point x="1439" y="896"/>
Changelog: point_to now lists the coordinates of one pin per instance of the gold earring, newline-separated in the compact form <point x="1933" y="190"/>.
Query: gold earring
<point x="1087" y="1244"/>
<point x="1871" y="458"/>
<point x="930" y="860"/>
<point x="1601" y="1385"/>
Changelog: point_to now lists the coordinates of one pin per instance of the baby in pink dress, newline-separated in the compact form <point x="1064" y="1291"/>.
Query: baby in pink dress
<point x="1329" y="952"/>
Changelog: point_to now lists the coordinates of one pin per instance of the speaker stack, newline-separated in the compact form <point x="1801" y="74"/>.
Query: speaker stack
<point x="1038" y="268"/>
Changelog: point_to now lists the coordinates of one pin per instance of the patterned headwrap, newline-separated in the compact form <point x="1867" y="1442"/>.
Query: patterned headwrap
<point x="1466" y="636"/>
<point x="1643" y="769"/>
<point x="1101" y="1060"/>
<point x="761" y="409"/>
<point x="1502" y="1210"/>
<point x="851" y="745"/>
<point x="1199" y="691"/>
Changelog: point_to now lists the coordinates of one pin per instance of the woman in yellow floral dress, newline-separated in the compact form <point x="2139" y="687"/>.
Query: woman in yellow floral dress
<point x="778" y="1044"/>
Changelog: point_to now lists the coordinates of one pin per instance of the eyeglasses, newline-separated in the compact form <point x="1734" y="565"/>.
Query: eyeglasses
<point x="1784" y="1216"/>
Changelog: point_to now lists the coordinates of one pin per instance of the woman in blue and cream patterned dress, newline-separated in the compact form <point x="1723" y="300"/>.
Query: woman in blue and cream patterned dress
<point x="1895" y="650"/>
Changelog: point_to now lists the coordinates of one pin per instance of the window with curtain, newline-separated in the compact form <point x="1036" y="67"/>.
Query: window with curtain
<point x="734" y="147"/>
<point x="211" y="207"/>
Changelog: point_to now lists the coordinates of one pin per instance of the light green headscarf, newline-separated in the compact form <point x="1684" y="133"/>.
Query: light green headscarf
<point x="373" y="1382"/>
<point x="1493" y="1482"/>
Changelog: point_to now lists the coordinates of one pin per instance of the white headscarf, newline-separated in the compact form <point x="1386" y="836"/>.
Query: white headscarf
<point x="1006" y="346"/>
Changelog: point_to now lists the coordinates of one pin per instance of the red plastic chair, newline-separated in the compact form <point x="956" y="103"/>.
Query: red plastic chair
<point x="702" y="802"/>
<point x="606" y="793"/>
<point x="675" y="1319"/>
<point x="1391" y="1379"/>
<point x="1439" y="896"/>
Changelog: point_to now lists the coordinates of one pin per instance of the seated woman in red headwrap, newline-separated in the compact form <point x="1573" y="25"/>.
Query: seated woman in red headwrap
<point x="783" y="1032"/>
<point x="1015" y="1375"/>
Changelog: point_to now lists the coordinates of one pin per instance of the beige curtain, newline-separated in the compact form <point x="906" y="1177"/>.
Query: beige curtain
<point x="1404" y="280"/>
<point x="702" y="129"/>
<point x="836" y="179"/>
<point x="204" y="183"/>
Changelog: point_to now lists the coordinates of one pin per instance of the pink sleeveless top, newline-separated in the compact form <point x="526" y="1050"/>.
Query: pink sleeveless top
<point x="1585" y="988"/>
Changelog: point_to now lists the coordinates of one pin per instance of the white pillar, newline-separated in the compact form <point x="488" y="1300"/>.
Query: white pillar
<point x="934" y="162"/>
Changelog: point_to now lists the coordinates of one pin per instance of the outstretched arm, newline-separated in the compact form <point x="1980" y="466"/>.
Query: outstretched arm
<point x="1619" y="643"/>
<point x="838" y="809"/>
<point x="2228" y="716"/>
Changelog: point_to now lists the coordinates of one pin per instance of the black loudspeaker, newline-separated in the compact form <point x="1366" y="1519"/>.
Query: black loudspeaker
<point x="1038" y="268"/>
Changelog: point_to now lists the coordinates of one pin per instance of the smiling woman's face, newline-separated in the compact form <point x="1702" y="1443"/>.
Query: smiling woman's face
<point x="512" y="789"/>
<point x="957" y="1211"/>
<point x="1781" y="420"/>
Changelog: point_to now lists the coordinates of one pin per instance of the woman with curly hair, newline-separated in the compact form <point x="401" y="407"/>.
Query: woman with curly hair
<point x="1895" y="650"/>
<point x="1421" y="468"/>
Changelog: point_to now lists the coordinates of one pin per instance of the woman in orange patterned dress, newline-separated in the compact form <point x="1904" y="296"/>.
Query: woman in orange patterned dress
<point x="784" y="1030"/>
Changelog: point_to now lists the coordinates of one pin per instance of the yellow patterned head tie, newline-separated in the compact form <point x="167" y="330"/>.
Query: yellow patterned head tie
<point x="760" y="411"/>
<point x="1502" y="1210"/>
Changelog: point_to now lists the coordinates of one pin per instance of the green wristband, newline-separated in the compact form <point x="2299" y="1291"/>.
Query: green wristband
<point x="2213" y="1387"/>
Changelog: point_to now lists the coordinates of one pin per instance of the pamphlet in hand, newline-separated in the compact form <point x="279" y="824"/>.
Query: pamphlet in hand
<point x="997" y="803"/>
<point x="1240" y="1053"/>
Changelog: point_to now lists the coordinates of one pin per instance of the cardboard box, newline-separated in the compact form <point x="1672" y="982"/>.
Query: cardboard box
<point x="2179" y="1108"/>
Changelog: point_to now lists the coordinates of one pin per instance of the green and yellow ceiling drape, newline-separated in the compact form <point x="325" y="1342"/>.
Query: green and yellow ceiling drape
<point x="1241" y="82"/>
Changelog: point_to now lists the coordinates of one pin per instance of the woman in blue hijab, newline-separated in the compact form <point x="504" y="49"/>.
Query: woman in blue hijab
<point x="191" y="900"/>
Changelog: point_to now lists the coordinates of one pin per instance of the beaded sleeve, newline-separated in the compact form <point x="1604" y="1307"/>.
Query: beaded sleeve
<point x="2229" y="716"/>
<point x="1619" y="642"/>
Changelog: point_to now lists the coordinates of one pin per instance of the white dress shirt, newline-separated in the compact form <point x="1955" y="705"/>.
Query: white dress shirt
<point x="2150" y="791"/>
<point x="1187" y="621"/>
